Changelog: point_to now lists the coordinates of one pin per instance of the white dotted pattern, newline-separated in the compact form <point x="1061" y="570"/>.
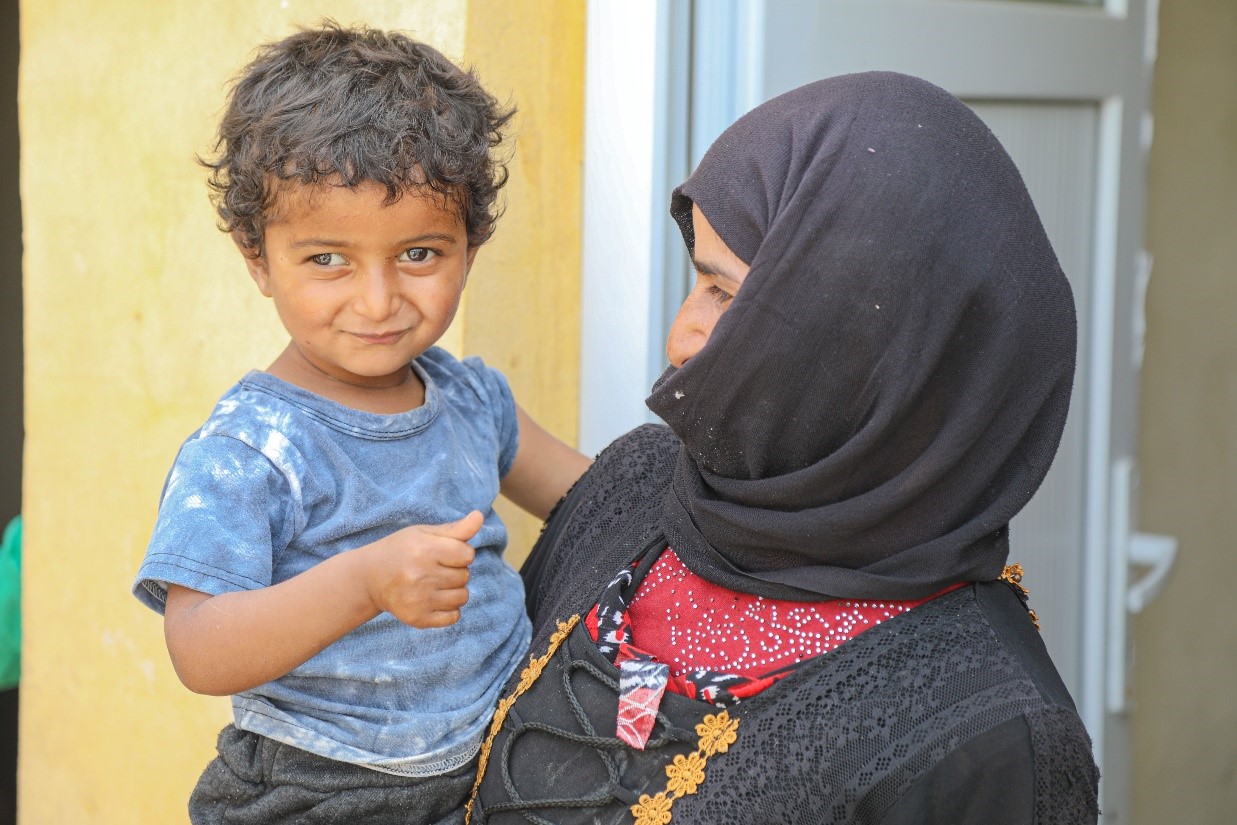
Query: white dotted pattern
<point x="737" y="633"/>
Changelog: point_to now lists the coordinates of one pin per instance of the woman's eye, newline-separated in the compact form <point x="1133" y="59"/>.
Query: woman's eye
<point x="417" y="254"/>
<point x="327" y="259"/>
<point x="721" y="295"/>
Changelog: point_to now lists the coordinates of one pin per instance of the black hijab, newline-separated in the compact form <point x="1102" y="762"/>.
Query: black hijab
<point x="890" y="384"/>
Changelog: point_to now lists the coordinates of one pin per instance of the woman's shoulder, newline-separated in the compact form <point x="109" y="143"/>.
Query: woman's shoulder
<point x="602" y="523"/>
<point x="648" y="451"/>
<point x="1018" y="750"/>
<point x="635" y="468"/>
<point x="633" y="462"/>
<point x="637" y="464"/>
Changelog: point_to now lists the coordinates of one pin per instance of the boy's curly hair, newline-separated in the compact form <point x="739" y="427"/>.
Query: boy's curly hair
<point x="349" y="105"/>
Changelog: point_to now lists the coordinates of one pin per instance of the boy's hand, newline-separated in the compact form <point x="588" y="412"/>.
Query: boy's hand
<point x="420" y="574"/>
<point x="235" y="641"/>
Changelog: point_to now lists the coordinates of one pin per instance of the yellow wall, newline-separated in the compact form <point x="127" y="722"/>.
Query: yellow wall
<point x="139" y="314"/>
<point x="523" y="300"/>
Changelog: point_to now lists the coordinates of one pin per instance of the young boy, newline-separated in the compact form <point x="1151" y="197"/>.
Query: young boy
<point x="319" y="536"/>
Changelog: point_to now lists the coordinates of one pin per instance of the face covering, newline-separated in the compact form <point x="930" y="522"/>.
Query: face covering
<point x="889" y="386"/>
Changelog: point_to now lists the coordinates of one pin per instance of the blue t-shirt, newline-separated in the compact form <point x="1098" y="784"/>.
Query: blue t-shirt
<point x="279" y="479"/>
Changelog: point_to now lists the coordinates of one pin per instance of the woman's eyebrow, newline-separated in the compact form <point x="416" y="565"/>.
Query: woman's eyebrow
<point x="713" y="270"/>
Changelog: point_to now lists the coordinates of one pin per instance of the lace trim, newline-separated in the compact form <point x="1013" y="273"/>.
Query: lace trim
<point x="1066" y="778"/>
<point x="529" y="675"/>
<point x="685" y="774"/>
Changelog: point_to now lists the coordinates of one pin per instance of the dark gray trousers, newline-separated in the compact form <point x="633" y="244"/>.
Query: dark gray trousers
<point x="258" y="781"/>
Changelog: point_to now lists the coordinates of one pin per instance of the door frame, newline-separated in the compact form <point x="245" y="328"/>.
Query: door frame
<point x="643" y="91"/>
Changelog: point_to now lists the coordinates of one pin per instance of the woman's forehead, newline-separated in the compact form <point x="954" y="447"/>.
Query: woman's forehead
<point x="710" y="254"/>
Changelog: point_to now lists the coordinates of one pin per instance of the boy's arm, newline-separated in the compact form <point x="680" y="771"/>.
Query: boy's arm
<point x="544" y="468"/>
<point x="236" y="641"/>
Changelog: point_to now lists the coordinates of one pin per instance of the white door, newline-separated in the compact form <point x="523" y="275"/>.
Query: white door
<point x="1065" y="86"/>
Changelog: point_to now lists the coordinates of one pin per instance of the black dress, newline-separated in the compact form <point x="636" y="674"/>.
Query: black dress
<point x="949" y="713"/>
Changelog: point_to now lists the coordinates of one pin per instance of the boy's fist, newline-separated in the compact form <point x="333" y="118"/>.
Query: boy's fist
<point x="420" y="574"/>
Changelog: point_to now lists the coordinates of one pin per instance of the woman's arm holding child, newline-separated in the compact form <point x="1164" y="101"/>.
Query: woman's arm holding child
<point x="236" y="641"/>
<point x="544" y="468"/>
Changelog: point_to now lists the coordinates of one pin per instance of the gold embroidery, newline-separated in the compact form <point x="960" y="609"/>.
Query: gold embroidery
<point x="1013" y="574"/>
<point x="686" y="774"/>
<point x="652" y="810"/>
<point x="556" y="638"/>
<point x="529" y="675"/>
<point x="716" y="732"/>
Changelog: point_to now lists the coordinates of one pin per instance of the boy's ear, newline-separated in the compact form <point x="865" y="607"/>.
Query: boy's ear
<point x="255" y="262"/>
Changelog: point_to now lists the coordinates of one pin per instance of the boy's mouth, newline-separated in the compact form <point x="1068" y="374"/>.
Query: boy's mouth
<point x="381" y="337"/>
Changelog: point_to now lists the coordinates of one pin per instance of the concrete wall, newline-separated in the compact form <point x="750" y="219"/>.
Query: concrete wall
<point x="1184" y="727"/>
<point x="139" y="314"/>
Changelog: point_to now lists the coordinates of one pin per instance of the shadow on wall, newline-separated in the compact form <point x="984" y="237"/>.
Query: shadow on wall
<point x="11" y="404"/>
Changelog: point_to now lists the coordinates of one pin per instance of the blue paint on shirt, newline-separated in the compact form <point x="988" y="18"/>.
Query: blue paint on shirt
<point x="278" y="479"/>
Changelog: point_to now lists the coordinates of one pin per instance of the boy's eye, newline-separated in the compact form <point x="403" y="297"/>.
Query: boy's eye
<point x="327" y="259"/>
<point x="417" y="254"/>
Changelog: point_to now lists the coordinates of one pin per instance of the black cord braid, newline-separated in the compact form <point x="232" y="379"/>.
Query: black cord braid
<point x="611" y="750"/>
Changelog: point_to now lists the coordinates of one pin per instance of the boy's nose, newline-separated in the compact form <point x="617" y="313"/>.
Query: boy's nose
<point x="378" y="296"/>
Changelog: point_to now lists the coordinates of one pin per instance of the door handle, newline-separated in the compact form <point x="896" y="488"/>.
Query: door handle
<point x="1130" y="549"/>
<point x="1154" y="551"/>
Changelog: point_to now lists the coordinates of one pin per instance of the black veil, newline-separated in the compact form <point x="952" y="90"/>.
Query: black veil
<point x="890" y="385"/>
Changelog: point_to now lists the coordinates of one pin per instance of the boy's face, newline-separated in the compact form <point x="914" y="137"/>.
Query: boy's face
<point x="362" y="287"/>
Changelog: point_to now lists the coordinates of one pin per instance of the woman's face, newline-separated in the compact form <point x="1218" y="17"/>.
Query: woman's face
<point x="719" y="274"/>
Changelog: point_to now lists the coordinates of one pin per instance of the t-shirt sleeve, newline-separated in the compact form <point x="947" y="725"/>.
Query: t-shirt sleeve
<point x="225" y="512"/>
<point x="497" y="393"/>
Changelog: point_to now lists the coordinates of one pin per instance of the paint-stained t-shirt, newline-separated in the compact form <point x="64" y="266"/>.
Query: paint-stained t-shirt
<point x="279" y="479"/>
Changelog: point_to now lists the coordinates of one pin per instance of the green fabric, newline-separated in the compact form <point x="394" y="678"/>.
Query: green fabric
<point x="10" y="605"/>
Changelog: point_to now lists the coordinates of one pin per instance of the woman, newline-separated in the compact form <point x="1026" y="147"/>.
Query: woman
<point x="792" y="605"/>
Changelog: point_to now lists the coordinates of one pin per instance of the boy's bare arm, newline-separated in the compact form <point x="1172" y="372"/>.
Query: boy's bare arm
<point x="544" y="468"/>
<point x="233" y="642"/>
